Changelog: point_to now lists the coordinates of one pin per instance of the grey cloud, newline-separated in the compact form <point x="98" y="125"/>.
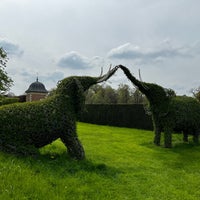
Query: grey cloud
<point x="162" y="51"/>
<point x="125" y="51"/>
<point x="10" y="47"/>
<point x="74" y="60"/>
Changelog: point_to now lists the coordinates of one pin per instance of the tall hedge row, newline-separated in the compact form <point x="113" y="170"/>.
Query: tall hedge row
<point x="122" y="115"/>
<point x="6" y="100"/>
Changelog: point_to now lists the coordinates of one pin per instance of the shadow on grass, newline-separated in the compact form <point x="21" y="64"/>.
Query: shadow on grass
<point x="73" y="167"/>
<point x="180" y="156"/>
<point x="61" y="165"/>
<point x="177" y="144"/>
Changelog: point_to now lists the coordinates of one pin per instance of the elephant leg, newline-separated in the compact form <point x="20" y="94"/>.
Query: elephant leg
<point x="196" y="137"/>
<point x="74" y="147"/>
<point x="70" y="139"/>
<point x="185" y="136"/>
<point x="167" y="138"/>
<point x="157" y="136"/>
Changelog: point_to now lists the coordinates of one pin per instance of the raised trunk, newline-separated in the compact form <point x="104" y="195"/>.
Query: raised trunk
<point x="140" y="85"/>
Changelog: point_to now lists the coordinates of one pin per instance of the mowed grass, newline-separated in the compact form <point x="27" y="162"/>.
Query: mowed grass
<point x="121" y="164"/>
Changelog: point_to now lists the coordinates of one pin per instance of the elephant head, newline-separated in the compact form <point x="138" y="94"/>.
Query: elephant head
<point x="75" y="86"/>
<point x="157" y="96"/>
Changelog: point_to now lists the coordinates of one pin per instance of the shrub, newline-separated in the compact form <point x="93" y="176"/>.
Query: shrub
<point x="6" y="100"/>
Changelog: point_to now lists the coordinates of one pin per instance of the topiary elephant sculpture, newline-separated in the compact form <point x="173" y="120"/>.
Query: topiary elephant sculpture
<point x="25" y="127"/>
<point x="170" y="113"/>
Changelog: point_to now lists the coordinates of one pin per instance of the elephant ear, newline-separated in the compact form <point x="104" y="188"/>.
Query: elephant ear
<point x="77" y="95"/>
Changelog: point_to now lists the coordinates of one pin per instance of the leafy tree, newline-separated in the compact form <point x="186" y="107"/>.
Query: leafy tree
<point x="196" y="93"/>
<point x="110" y="95"/>
<point x="95" y="95"/>
<point x="107" y="95"/>
<point x="123" y="93"/>
<point x="137" y="97"/>
<point x="101" y="95"/>
<point x="5" y="80"/>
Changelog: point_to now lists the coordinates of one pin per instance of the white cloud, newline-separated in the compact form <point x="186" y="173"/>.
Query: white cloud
<point x="125" y="51"/>
<point x="47" y="30"/>
<point x="74" y="60"/>
<point x="10" y="47"/>
<point x="159" y="52"/>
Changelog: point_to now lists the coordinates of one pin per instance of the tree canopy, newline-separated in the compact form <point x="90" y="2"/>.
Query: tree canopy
<point x="5" y="80"/>
<point x="104" y="94"/>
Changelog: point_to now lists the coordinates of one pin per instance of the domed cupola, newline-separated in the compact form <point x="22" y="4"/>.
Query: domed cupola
<point x="37" y="87"/>
<point x="36" y="91"/>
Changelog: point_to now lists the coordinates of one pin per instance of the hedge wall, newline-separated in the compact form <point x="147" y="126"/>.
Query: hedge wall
<point x="122" y="115"/>
<point x="6" y="100"/>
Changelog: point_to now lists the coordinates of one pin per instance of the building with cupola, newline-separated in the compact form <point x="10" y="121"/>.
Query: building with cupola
<point x="36" y="91"/>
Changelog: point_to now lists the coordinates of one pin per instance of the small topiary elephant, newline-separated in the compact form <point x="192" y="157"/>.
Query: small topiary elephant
<point x="24" y="127"/>
<point x="169" y="112"/>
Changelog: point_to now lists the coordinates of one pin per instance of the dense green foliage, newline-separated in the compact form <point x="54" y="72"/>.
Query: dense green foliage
<point x="5" y="80"/>
<point x="24" y="127"/>
<point x="169" y="113"/>
<point x="123" y="115"/>
<point x="7" y="100"/>
<point x="104" y="94"/>
<point x="121" y="164"/>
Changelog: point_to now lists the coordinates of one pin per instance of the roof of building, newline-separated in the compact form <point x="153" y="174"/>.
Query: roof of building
<point x="37" y="87"/>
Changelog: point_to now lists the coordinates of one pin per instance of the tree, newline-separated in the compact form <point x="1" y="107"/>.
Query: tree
<point x="5" y="80"/>
<point x="95" y="95"/>
<point x="101" y="95"/>
<point x="137" y="97"/>
<point x="123" y="93"/>
<point x="110" y="95"/>
<point x="196" y="93"/>
<point x="107" y="95"/>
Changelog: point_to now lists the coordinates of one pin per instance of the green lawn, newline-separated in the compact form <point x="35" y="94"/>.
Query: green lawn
<point x="121" y="164"/>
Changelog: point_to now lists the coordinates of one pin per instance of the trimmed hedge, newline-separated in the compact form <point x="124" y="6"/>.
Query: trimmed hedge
<point x="170" y="113"/>
<point x="122" y="115"/>
<point x="25" y="127"/>
<point x="6" y="100"/>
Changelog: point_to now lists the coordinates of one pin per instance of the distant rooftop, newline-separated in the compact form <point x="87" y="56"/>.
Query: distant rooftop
<point x="37" y="87"/>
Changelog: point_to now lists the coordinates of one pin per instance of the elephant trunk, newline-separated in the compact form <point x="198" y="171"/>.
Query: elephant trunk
<point x="140" y="85"/>
<point x="87" y="81"/>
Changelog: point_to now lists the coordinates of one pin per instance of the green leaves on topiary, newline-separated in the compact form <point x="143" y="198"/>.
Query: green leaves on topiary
<point x="169" y="112"/>
<point x="6" y="100"/>
<point x="24" y="127"/>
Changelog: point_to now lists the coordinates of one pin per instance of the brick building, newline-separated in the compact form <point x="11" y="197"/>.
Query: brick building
<point x="36" y="91"/>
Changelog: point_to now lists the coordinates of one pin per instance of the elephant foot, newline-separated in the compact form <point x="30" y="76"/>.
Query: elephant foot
<point x="185" y="137"/>
<point x="167" y="139"/>
<point x="76" y="152"/>
<point x="156" y="143"/>
<point x="157" y="140"/>
<point x="74" y="148"/>
<point x="168" y="145"/>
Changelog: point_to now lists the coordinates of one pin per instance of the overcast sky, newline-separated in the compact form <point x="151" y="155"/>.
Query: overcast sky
<point x="60" y="38"/>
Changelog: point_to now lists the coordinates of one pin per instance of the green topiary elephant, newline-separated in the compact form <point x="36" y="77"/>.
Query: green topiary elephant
<point x="24" y="127"/>
<point x="169" y="112"/>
